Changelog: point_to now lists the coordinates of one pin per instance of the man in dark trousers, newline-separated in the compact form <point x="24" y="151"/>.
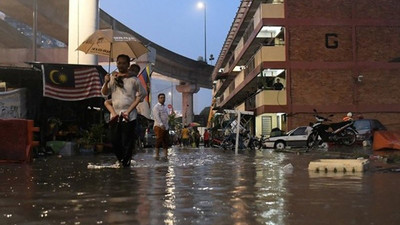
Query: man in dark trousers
<point x="126" y="92"/>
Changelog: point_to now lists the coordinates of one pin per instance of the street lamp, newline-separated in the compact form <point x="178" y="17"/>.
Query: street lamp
<point x="202" y="5"/>
<point x="172" y="94"/>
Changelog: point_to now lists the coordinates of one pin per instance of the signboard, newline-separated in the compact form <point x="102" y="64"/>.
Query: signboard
<point x="13" y="104"/>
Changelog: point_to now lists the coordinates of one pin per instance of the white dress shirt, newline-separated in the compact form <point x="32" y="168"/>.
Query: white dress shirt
<point x="160" y="114"/>
<point x="122" y="98"/>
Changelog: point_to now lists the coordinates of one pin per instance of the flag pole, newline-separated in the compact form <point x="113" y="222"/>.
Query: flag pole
<point x="109" y="63"/>
<point x="109" y="58"/>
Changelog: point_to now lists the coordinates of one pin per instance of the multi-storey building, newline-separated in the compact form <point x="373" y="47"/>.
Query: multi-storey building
<point x="335" y="56"/>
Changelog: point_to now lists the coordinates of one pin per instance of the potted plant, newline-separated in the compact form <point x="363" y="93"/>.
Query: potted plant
<point x="86" y="141"/>
<point x="97" y="133"/>
<point x="54" y="125"/>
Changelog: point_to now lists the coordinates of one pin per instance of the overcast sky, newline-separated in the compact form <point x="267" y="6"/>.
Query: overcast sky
<point x="178" y="25"/>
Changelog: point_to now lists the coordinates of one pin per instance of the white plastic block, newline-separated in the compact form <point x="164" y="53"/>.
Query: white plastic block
<point x="339" y="165"/>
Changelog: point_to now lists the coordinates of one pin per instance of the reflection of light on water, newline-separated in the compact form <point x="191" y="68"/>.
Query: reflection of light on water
<point x="239" y="190"/>
<point x="170" y="197"/>
<point x="44" y="213"/>
<point x="344" y="181"/>
<point x="351" y="176"/>
<point x="267" y="191"/>
<point x="270" y="180"/>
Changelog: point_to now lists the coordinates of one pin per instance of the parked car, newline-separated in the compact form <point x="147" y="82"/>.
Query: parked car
<point x="294" y="138"/>
<point x="366" y="129"/>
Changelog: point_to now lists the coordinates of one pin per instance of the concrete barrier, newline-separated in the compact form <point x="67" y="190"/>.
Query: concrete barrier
<point x="16" y="137"/>
<point x="339" y="165"/>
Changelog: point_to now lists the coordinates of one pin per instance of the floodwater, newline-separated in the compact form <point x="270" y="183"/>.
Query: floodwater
<point x="196" y="186"/>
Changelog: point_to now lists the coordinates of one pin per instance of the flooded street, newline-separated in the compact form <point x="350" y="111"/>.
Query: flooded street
<point x="195" y="186"/>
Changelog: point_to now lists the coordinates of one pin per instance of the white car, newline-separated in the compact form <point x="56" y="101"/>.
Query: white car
<point x="294" y="138"/>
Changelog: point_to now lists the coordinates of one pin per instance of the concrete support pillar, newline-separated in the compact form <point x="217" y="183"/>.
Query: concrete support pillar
<point x="187" y="91"/>
<point x="83" y="21"/>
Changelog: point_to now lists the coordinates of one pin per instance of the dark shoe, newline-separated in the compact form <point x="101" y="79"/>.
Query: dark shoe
<point x="126" y="163"/>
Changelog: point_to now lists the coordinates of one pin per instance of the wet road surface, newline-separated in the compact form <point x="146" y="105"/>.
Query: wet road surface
<point x="196" y="186"/>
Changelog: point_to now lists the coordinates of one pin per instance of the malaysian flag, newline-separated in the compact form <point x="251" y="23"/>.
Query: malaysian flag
<point x="71" y="82"/>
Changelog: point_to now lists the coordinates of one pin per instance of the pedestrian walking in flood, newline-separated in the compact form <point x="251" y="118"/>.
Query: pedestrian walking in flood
<point x="185" y="136"/>
<point x="126" y="93"/>
<point x="196" y="137"/>
<point x="160" y="114"/>
<point x="206" y="138"/>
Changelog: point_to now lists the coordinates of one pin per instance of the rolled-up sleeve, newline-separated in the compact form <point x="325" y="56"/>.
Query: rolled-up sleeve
<point x="108" y="92"/>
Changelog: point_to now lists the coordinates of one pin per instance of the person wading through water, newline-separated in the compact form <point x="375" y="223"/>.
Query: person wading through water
<point x="126" y="92"/>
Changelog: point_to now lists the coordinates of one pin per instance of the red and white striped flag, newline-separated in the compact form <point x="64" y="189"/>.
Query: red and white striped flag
<point x="71" y="82"/>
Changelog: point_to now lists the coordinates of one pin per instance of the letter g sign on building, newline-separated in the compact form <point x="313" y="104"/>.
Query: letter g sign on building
<point x="331" y="40"/>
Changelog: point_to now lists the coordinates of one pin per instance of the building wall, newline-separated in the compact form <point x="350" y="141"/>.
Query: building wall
<point x="382" y="9"/>
<point x="334" y="9"/>
<point x="320" y="87"/>
<point x="378" y="44"/>
<point x="307" y="43"/>
<point x="380" y="87"/>
<point x="340" y="87"/>
<point x="368" y="38"/>
<point x="329" y="45"/>
<point x="343" y="9"/>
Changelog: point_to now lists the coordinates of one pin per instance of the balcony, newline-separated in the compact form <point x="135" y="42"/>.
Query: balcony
<point x="271" y="97"/>
<point x="270" y="54"/>
<point x="269" y="11"/>
<point x="239" y="79"/>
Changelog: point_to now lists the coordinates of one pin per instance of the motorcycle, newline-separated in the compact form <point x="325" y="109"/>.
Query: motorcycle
<point x="216" y="142"/>
<point x="250" y="141"/>
<point x="246" y="141"/>
<point x="226" y="142"/>
<point x="339" y="133"/>
<point x="229" y="142"/>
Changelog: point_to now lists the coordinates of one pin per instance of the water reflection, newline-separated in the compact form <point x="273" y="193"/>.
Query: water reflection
<point x="271" y="181"/>
<point x="195" y="186"/>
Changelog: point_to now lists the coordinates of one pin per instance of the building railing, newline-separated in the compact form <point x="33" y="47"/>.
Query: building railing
<point x="270" y="53"/>
<point x="269" y="11"/>
<point x="271" y="97"/>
